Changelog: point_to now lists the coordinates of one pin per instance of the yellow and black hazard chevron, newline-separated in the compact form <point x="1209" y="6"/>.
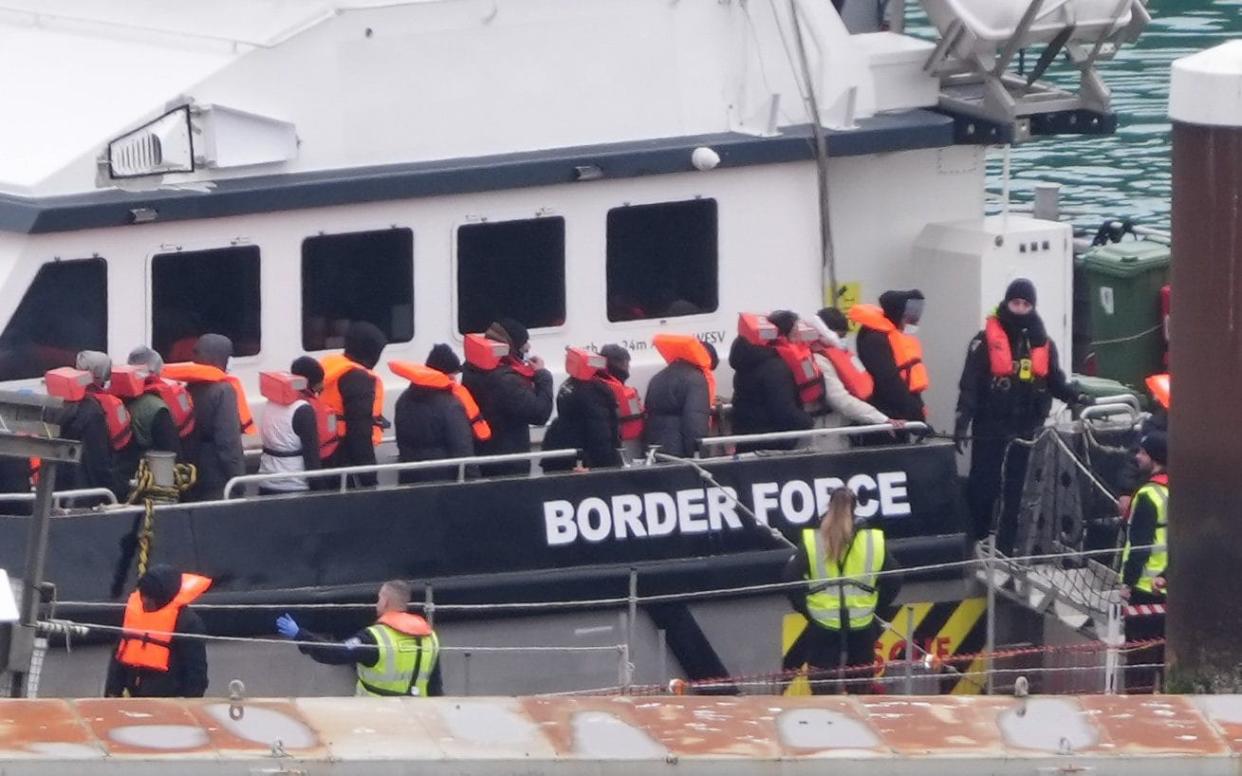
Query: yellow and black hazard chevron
<point x="942" y="629"/>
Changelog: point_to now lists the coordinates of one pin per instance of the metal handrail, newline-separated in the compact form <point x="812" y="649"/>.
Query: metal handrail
<point x="343" y="472"/>
<point x="108" y="496"/>
<point x="1128" y="399"/>
<point x="1109" y="410"/>
<point x="917" y="427"/>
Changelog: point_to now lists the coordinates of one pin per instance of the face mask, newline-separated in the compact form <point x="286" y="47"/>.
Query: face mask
<point x="911" y="328"/>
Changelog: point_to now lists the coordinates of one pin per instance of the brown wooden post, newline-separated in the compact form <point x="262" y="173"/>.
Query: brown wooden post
<point x="1204" y="625"/>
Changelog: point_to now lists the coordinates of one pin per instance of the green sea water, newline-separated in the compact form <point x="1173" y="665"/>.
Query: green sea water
<point x="1126" y="174"/>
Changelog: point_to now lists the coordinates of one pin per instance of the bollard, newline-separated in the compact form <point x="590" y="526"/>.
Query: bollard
<point x="1205" y="540"/>
<point x="161" y="465"/>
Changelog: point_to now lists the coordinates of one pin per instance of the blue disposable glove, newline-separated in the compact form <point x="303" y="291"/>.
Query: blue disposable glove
<point x="286" y="626"/>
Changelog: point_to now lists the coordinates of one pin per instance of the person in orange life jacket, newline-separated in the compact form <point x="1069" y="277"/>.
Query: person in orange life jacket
<point x="514" y="396"/>
<point x="840" y="540"/>
<point x="680" y="400"/>
<point x="150" y="418"/>
<point x="356" y="393"/>
<point x="362" y="649"/>
<point x="158" y="666"/>
<point x="898" y="387"/>
<point x="1009" y="380"/>
<point x="290" y="434"/>
<point x="765" y="393"/>
<point x="87" y="421"/>
<point x="630" y="413"/>
<point x="215" y="447"/>
<point x="587" y="417"/>
<point x="432" y="423"/>
<point x="847" y="385"/>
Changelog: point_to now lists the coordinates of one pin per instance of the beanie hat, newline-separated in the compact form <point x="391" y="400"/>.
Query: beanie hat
<point x="784" y="321"/>
<point x="1156" y="445"/>
<point x="97" y="363"/>
<point x="834" y="319"/>
<point x="1021" y="289"/>
<point x="614" y="354"/>
<point x="305" y="366"/>
<point x="443" y="359"/>
<point x="364" y="342"/>
<point x="510" y="331"/>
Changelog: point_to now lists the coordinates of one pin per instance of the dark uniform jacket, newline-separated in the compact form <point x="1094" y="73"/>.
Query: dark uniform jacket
<point x="765" y="396"/>
<point x="432" y="424"/>
<point x="84" y="421"/>
<point x="678" y="415"/>
<point x="586" y="420"/>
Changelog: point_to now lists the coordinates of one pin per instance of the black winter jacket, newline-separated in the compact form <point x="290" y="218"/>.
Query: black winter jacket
<point x="511" y="404"/>
<point x="432" y="424"/>
<point x="678" y="415"/>
<point x="215" y="447"/>
<point x="357" y="389"/>
<point x="765" y="396"/>
<point x="84" y="421"/>
<point x="586" y="420"/>
<point x="1008" y="407"/>
<point x="891" y="396"/>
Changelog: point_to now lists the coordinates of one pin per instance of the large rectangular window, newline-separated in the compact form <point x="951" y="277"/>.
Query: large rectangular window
<point x="360" y="276"/>
<point x="662" y="260"/>
<point x="513" y="269"/>
<point x="64" y="310"/>
<point x="197" y="292"/>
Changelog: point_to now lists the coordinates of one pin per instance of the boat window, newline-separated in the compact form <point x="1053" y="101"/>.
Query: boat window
<point x="196" y="292"/>
<point x="64" y="310"/>
<point x="513" y="269"/>
<point x="662" y="260"/>
<point x="359" y="276"/>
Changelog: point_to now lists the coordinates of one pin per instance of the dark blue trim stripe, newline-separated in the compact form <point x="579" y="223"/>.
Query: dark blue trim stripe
<point x="267" y="194"/>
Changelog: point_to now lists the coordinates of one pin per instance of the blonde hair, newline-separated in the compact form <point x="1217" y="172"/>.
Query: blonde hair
<point x="836" y="526"/>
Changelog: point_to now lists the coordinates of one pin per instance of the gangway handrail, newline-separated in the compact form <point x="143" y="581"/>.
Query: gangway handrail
<point x="1096" y="411"/>
<point x="108" y="496"/>
<point x="1128" y="399"/>
<point x="916" y="427"/>
<point x="343" y="472"/>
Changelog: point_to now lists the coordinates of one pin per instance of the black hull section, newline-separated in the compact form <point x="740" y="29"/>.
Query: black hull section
<point x="564" y="538"/>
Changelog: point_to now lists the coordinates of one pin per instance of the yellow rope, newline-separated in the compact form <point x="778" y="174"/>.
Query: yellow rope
<point x="146" y="491"/>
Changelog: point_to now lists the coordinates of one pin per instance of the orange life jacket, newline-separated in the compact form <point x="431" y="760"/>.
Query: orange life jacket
<point x="190" y="372"/>
<point x="335" y="366"/>
<point x="1160" y="388"/>
<point x="120" y="432"/>
<point x="180" y="405"/>
<point x="148" y="635"/>
<point x="328" y="423"/>
<point x="629" y="406"/>
<point x="1000" y="357"/>
<point x="853" y="375"/>
<point x="688" y="348"/>
<point x="801" y="362"/>
<point x="420" y="374"/>
<point x="405" y="622"/>
<point x="907" y="350"/>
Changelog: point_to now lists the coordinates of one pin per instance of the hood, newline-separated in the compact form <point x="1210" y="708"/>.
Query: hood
<point x="827" y="336"/>
<point x="97" y="363"/>
<point x="160" y="583"/>
<point x="214" y="350"/>
<point x="893" y="303"/>
<point x="744" y="355"/>
<point x="364" y="343"/>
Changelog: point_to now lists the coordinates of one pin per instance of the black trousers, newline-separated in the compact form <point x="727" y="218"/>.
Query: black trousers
<point x="822" y="650"/>
<point x="1141" y="628"/>
<point x="985" y="486"/>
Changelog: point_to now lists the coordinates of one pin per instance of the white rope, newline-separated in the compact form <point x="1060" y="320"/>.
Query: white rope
<point x="665" y="597"/>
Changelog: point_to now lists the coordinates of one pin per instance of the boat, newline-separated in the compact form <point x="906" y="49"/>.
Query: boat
<point x="602" y="171"/>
